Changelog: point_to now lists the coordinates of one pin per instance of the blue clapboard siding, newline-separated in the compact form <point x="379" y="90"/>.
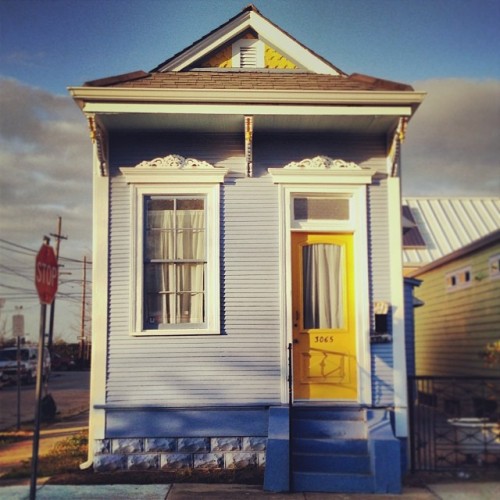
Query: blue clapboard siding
<point x="243" y="364"/>
<point x="240" y="366"/>
<point x="380" y="290"/>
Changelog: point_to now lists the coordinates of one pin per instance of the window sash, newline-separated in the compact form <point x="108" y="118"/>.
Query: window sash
<point x="175" y="262"/>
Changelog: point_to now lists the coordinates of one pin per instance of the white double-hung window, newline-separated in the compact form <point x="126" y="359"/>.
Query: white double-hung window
<point x="175" y="262"/>
<point x="175" y="286"/>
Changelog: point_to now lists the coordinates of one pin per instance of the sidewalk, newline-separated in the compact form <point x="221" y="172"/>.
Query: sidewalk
<point x="12" y="454"/>
<point x="455" y="491"/>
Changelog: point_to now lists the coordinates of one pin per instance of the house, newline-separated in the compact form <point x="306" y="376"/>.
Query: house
<point x="435" y="227"/>
<point x="461" y="292"/>
<point x="438" y="226"/>
<point x="247" y="272"/>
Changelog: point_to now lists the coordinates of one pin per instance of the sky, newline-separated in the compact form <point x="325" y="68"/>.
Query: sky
<point x="448" y="48"/>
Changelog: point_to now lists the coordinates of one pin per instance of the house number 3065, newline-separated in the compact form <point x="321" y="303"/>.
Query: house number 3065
<point x="323" y="339"/>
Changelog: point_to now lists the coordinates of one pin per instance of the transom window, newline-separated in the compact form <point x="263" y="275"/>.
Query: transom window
<point x="175" y="260"/>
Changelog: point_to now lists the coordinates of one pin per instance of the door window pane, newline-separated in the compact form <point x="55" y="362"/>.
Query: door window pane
<point x="322" y="275"/>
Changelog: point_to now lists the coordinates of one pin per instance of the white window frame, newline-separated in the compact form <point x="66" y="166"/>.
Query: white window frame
<point x="348" y="182"/>
<point x="459" y="283"/>
<point x="192" y="178"/>
<point x="494" y="267"/>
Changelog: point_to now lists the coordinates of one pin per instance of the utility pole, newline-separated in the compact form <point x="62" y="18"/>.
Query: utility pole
<point x="58" y="237"/>
<point x="82" y="322"/>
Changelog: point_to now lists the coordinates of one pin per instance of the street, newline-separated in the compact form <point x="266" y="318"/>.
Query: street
<point x="70" y="391"/>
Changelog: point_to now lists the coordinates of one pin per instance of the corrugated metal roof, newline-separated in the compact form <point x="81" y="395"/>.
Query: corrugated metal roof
<point x="447" y="224"/>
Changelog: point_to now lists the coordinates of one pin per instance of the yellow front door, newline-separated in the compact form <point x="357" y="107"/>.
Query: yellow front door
<point x="324" y="332"/>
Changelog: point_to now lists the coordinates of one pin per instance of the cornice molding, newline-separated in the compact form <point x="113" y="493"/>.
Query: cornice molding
<point x="248" y="96"/>
<point x="175" y="169"/>
<point x="322" y="170"/>
<point x="322" y="163"/>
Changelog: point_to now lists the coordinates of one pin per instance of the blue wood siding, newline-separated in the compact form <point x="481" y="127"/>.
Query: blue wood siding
<point x="241" y="366"/>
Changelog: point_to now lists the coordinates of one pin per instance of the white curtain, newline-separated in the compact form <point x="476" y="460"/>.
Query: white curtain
<point x="175" y="289"/>
<point x="322" y="286"/>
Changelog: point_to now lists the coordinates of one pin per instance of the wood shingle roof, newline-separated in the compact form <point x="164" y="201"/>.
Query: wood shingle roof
<point x="249" y="79"/>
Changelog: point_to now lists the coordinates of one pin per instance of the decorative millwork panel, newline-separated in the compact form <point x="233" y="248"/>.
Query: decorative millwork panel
<point x="174" y="168"/>
<point x="322" y="169"/>
<point x="323" y="163"/>
<point x="99" y="138"/>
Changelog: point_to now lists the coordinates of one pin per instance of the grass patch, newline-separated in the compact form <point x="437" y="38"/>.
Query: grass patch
<point x="9" y="437"/>
<point x="65" y="457"/>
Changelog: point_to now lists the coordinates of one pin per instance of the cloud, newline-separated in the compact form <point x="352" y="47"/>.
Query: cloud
<point x="452" y="148"/>
<point x="45" y="157"/>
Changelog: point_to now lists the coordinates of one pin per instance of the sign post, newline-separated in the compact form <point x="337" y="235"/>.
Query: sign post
<point x="18" y="329"/>
<point x="46" y="281"/>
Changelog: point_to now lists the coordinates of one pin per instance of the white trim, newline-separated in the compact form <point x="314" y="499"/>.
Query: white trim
<point x="247" y="43"/>
<point x="460" y="282"/>
<point x="126" y="95"/>
<point x="98" y="374"/>
<point x="245" y="109"/>
<point x="174" y="175"/>
<point x="266" y="30"/>
<point x="398" y="307"/>
<point x="357" y="225"/>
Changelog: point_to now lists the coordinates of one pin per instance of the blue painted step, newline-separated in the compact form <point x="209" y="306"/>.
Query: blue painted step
<point x="328" y="445"/>
<point x="322" y="428"/>
<point x="317" y="462"/>
<point x="333" y="483"/>
<point x="330" y="450"/>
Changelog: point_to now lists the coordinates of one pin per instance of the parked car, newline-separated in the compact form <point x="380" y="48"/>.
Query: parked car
<point x="61" y="363"/>
<point x="28" y="364"/>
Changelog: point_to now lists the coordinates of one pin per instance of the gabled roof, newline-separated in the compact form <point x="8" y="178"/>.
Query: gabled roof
<point x="248" y="20"/>
<point x="482" y="243"/>
<point x="449" y="224"/>
<point x="286" y="65"/>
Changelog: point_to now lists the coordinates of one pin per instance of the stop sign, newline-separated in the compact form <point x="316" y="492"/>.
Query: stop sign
<point x="46" y="274"/>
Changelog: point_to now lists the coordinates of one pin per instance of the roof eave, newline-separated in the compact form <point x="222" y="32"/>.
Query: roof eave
<point x="247" y="96"/>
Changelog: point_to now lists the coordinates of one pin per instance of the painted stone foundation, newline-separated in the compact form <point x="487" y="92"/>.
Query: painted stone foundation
<point x="170" y="454"/>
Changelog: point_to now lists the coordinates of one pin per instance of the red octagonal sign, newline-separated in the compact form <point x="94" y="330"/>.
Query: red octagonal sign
<point x="46" y="274"/>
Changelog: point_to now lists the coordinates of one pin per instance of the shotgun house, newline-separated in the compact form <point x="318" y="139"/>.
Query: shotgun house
<point x="247" y="270"/>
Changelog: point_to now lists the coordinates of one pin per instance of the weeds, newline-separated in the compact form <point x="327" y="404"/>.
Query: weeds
<point x="65" y="457"/>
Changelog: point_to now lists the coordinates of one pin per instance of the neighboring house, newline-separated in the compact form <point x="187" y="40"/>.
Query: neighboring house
<point x="461" y="316"/>
<point x="247" y="205"/>
<point x="438" y="226"/>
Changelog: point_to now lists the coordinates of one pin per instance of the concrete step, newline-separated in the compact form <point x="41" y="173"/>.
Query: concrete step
<point x="342" y="483"/>
<point x="328" y="463"/>
<point x="328" y="413"/>
<point x="334" y="446"/>
<point x="334" y="429"/>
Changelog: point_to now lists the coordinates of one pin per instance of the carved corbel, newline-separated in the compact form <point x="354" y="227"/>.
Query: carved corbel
<point x="249" y="144"/>
<point x="99" y="138"/>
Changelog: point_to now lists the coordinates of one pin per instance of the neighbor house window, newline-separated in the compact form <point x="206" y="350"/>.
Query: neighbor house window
<point x="459" y="279"/>
<point x="494" y="266"/>
<point x="175" y="260"/>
